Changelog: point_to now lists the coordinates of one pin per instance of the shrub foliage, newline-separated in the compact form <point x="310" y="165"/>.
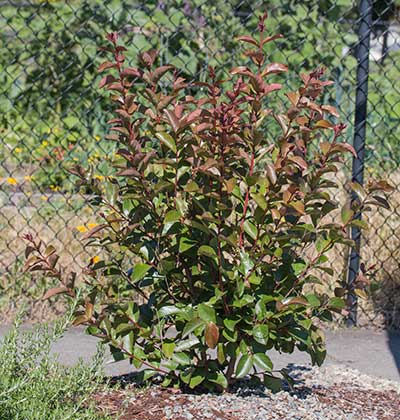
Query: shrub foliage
<point x="217" y="225"/>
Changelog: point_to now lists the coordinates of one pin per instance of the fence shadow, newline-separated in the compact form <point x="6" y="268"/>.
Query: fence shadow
<point x="393" y="338"/>
<point x="387" y="305"/>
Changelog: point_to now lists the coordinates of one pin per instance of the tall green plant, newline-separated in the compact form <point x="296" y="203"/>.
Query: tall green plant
<point x="215" y="227"/>
<point x="34" y="386"/>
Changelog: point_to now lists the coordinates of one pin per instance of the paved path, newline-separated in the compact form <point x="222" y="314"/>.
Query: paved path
<point x="372" y="353"/>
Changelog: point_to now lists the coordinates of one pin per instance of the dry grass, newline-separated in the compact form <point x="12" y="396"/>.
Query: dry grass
<point x="53" y="219"/>
<point x="381" y="246"/>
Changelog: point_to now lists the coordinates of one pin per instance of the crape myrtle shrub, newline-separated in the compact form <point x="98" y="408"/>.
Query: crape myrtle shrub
<point x="219" y="217"/>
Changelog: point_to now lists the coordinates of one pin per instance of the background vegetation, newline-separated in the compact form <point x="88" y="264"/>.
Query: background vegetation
<point x="33" y="386"/>
<point x="50" y="102"/>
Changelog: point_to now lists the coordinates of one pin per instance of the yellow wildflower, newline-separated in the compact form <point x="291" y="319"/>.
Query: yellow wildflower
<point x="12" y="181"/>
<point x="97" y="138"/>
<point x="17" y="150"/>
<point x="95" y="259"/>
<point x="45" y="143"/>
<point x="99" y="177"/>
<point x="81" y="228"/>
<point x="91" y="225"/>
<point x="44" y="198"/>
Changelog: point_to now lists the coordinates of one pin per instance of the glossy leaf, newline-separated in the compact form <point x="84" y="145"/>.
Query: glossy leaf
<point x="244" y="366"/>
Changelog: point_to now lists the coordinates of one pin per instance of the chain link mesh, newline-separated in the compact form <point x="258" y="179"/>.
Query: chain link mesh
<point x="52" y="113"/>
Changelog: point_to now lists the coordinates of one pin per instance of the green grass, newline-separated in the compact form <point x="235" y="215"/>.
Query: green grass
<point x="34" y="386"/>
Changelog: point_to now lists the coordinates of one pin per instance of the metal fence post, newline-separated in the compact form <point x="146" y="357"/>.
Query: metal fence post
<point x="360" y="122"/>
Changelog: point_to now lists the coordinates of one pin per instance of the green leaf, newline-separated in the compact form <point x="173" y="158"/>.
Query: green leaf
<point x="362" y="224"/>
<point x="187" y="344"/>
<point x="230" y="323"/>
<point x="220" y="380"/>
<point x="139" y="271"/>
<point x="181" y="358"/>
<point x="244" y="366"/>
<point x="197" y="378"/>
<point x="250" y="229"/>
<point x="207" y="251"/>
<point x="220" y="353"/>
<point x="231" y="336"/>
<point x="111" y="192"/>
<point x="361" y="293"/>
<point x="261" y="333"/>
<point x="206" y="313"/>
<point x="185" y="244"/>
<point x="262" y="361"/>
<point x="358" y="189"/>
<point x="168" y="349"/>
<point x="186" y="374"/>
<point x="147" y="374"/>
<point x="273" y="383"/>
<point x="191" y="326"/>
<point x="336" y="303"/>
<point x="347" y="213"/>
<point x="168" y="310"/>
<point x="191" y="187"/>
<point x="246" y="263"/>
<point x="313" y="300"/>
<point x="167" y="140"/>
<point x="170" y="219"/>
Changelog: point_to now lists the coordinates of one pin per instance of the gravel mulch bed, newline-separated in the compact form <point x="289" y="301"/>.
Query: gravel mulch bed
<point x="330" y="393"/>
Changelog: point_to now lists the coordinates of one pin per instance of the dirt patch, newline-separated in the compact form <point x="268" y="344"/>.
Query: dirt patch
<point x="153" y="404"/>
<point x="333" y="402"/>
<point x="384" y="405"/>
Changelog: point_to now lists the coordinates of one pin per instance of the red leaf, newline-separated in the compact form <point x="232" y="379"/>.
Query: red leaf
<point x="249" y="39"/>
<point x="93" y="231"/>
<point x="129" y="172"/>
<point x="272" y="87"/>
<point x="323" y="124"/>
<point x="211" y="335"/>
<point x="106" y="65"/>
<point x="344" y="147"/>
<point x="298" y="160"/>
<point x="193" y="116"/>
<point x="81" y="319"/>
<point x="298" y="206"/>
<point x="202" y="127"/>
<point x="274" y="68"/>
<point x="156" y="75"/>
<point x="115" y="86"/>
<point x="56" y="291"/>
<point x="148" y="57"/>
<point x="293" y="97"/>
<point x="331" y="110"/>
<point x="106" y="80"/>
<point x="123" y="113"/>
<point x="271" y="38"/>
<point x="174" y="122"/>
<point x="132" y="72"/>
<point x="244" y="71"/>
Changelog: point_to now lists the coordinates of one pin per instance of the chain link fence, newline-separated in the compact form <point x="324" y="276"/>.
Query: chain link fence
<point x="53" y="114"/>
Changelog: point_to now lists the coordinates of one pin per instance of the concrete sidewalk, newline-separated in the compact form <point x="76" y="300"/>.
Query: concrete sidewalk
<point x="372" y="353"/>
